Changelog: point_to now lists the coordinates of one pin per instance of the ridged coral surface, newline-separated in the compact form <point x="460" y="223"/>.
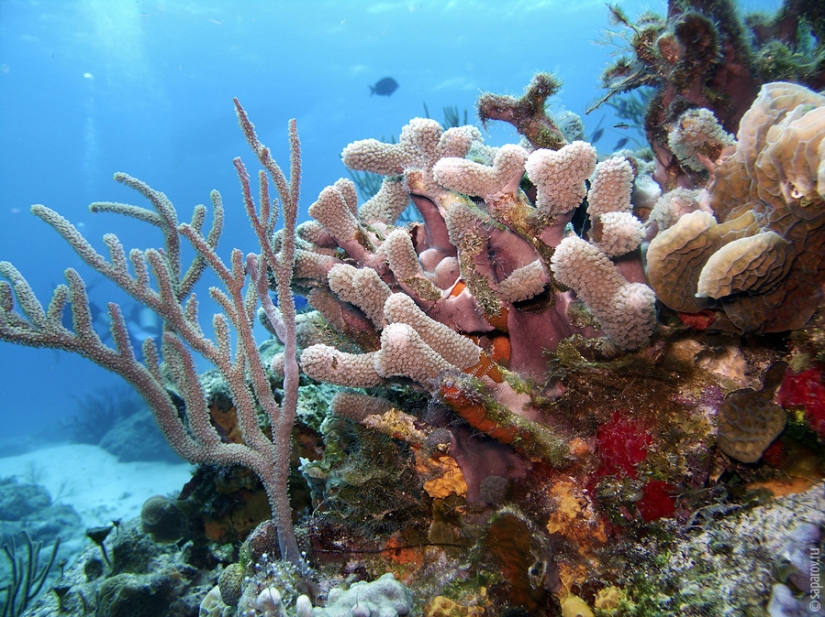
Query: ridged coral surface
<point x="764" y="262"/>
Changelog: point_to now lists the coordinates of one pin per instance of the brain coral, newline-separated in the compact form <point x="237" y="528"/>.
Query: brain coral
<point x="760" y="260"/>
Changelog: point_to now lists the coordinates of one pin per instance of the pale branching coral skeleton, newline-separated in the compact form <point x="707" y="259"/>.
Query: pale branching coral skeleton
<point x="245" y="284"/>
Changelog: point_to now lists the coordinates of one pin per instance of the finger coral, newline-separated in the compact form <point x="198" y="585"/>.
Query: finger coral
<point x="437" y="302"/>
<point x="625" y="309"/>
<point x="758" y="260"/>
<point x="480" y="262"/>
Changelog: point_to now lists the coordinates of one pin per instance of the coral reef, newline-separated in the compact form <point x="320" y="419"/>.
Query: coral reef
<point x="482" y="286"/>
<point x="546" y="396"/>
<point x="139" y="578"/>
<point x="745" y="563"/>
<point x="757" y="260"/>
<point x="704" y="55"/>
<point x="26" y="506"/>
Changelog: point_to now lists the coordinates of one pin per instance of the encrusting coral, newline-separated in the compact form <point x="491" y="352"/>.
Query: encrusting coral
<point x="749" y="421"/>
<point x="757" y="259"/>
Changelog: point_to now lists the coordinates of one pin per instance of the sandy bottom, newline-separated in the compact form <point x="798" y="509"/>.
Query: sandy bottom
<point x="94" y="482"/>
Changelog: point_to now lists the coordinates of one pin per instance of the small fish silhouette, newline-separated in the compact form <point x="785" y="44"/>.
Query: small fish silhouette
<point x="621" y="143"/>
<point x="621" y="125"/>
<point x="598" y="132"/>
<point x="384" y="87"/>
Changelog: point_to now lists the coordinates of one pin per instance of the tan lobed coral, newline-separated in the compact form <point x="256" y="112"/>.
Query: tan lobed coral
<point x="759" y="260"/>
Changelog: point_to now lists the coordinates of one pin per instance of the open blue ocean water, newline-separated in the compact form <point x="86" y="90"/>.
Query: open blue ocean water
<point x="92" y="87"/>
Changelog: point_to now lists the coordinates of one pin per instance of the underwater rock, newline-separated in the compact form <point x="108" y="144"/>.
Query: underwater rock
<point x="128" y="595"/>
<point x="730" y="566"/>
<point x="20" y="500"/>
<point x="28" y="508"/>
<point x="143" y="578"/>
<point x="137" y="438"/>
<point x="162" y="520"/>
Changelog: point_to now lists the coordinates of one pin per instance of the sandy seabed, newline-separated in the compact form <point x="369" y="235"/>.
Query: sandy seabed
<point x="94" y="482"/>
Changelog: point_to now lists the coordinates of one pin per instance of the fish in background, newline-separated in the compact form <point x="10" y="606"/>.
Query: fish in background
<point x="598" y="132"/>
<point x="384" y="87"/>
<point x="301" y="303"/>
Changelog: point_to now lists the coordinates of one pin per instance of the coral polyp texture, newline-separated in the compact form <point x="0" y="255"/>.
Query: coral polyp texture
<point x="757" y="260"/>
<point x="482" y="262"/>
<point x="486" y="283"/>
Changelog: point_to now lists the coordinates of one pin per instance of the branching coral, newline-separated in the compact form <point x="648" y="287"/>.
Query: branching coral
<point x="477" y="266"/>
<point x="245" y="283"/>
<point x="527" y="113"/>
<point x="758" y="260"/>
<point x="432" y="301"/>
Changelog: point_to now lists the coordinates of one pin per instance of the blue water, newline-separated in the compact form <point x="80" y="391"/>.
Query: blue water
<point x="91" y="87"/>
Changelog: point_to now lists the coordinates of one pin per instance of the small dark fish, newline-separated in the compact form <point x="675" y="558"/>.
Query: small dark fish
<point x="621" y="125"/>
<point x="384" y="87"/>
<point x="301" y="304"/>
<point x="621" y="143"/>
<point x="597" y="132"/>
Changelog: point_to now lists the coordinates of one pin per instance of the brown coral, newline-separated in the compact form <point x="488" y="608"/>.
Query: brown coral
<point x="749" y="420"/>
<point x="763" y="263"/>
